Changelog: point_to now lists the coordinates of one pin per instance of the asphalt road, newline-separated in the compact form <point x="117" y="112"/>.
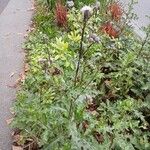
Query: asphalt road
<point x="3" y="4"/>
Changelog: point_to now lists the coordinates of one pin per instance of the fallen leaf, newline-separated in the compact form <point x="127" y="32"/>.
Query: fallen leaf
<point x="18" y="81"/>
<point x="12" y="74"/>
<point x="16" y="148"/>
<point x="8" y="121"/>
<point x="85" y="125"/>
<point x="107" y="82"/>
<point x="12" y="111"/>
<point x="26" y="67"/>
<point x="25" y="35"/>
<point x="12" y="86"/>
<point x="99" y="137"/>
<point x="22" y="77"/>
<point x="31" y="9"/>
<point x="20" y="33"/>
<point x="17" y="138"/>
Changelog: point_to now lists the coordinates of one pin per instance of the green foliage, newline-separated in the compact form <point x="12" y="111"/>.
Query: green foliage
<point x="106" y="107"/>
<point x="78" y="3"/>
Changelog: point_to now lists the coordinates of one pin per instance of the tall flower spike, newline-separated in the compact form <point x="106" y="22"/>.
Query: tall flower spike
<point x="115" y="10"/>
<point x="61" y="14"/>
<point x="87" y="12"/>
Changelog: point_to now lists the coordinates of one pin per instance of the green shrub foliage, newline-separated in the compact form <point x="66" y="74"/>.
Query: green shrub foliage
<point x="85" y="89"/>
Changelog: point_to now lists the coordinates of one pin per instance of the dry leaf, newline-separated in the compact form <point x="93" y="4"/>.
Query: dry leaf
<point x="31" y="9"/>
<point x="22" y="77"/>
<point x="12" y="111"/>
<point x="12" y="74"/>
<point x="16" y="148"/>
<point x="17" y="138"/>
<point x="12" y="133"/>
<point x="25" y="35"/>
<point x="20" y="33"/>
<point x="8" y="121"/>
<point x="107" y="82"/>
<point x="12" y="86"/>
<point x="99" y="137"/>
<point x="26" y="67"/>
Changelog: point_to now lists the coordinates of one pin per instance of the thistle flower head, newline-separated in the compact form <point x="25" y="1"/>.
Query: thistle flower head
<point x="94" y="38"/>
<point x="97" y="5"/>
<point x="87" y="12"/>
<point x="70" y="3"/>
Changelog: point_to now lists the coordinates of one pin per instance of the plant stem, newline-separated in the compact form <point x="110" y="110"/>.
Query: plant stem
<point x="80" y="52"/>
<point x="74" y="100"/>
<point x="49" y="56"/>
<point x="84" y="67"/>
<point x="87" y="85"/>
<point x="143" y="44"/>
<point x="88" y="48"/>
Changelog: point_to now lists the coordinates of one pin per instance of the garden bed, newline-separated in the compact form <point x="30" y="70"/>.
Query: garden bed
<point x="88" y="83"/>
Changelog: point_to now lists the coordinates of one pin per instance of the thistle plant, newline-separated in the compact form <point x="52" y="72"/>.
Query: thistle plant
<point x="86" y="12"/>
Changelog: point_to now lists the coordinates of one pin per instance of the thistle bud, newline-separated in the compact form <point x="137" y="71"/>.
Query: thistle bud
<point x="94" y="38"/>
<point x="97" y="6"/>
<point x="87" y="12"/>
<point x="70" y="3"/>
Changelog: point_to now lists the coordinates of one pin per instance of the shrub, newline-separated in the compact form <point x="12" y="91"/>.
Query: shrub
<point x="61" y="14"/>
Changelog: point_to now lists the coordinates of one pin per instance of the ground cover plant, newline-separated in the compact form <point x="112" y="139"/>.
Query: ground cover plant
<point x="88" y="80"/>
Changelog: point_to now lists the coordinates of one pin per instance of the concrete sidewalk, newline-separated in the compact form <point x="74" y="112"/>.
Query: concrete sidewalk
<point x="142" y="9"/>
<point x="3" y="4"/>
<point x="14" y="21"/>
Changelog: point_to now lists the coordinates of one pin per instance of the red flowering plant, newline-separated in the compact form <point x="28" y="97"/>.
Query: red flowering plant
<point x="115" y="10"/>
<point x="109" y="29"/>
<point x="111" y="25"/>
<point x="60" y="14"/>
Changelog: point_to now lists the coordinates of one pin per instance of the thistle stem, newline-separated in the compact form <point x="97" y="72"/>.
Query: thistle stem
<point x="74" y="100"/>
<point x="80" y="52"/>
<point x="143" y="44"/>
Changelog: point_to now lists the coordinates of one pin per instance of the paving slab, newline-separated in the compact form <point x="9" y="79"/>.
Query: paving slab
<point x="142" y="9"/>
<point x="14" y="22"/>
<point x="3" y="4"/>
